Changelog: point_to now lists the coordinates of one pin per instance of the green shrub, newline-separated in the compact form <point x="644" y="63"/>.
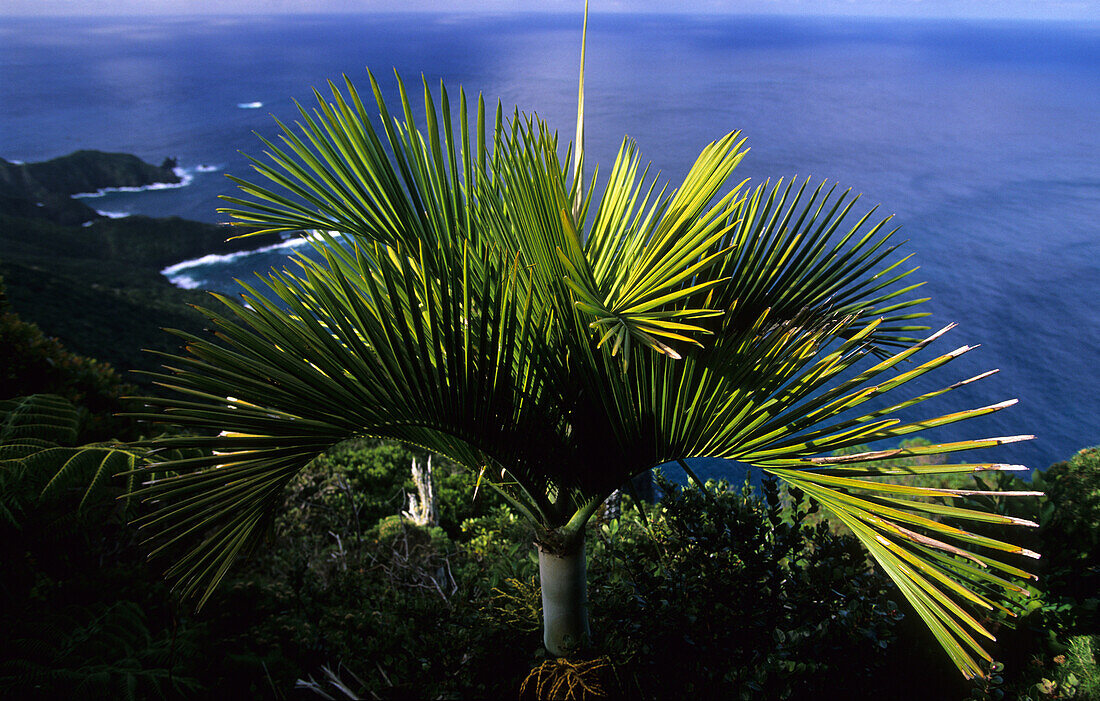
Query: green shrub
<point x="1070" y="520"/>
<point x="403" y="607"/>
<point x="728" y="593"/>
<point x="497" y="547"/>
<point x="733" y="598"/>
<point x="1062" y="614"/>
<point x="1072" y="674"/>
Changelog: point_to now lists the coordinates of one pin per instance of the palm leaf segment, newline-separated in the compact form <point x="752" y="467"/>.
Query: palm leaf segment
<point x="468" y="296"/>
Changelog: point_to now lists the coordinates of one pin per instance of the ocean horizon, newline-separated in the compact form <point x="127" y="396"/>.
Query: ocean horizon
<point x="980" y="137"/>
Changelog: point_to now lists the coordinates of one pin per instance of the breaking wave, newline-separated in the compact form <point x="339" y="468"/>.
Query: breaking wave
<point x="186" y="282"/>
<point x="177" y="276"/>
<point x="184" y="176"/>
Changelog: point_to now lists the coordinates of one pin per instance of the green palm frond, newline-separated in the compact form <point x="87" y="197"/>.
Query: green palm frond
<point x="361" y="346"/>
<point x="643" y="259"/>
<point x="800" y="252"/>
<point x="336" y="173"/>
<point x="466" y="297"/>
<point x="802" y="401"/>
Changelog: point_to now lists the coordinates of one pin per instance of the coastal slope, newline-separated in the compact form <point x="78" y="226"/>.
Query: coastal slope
<point x="93" y="282"/>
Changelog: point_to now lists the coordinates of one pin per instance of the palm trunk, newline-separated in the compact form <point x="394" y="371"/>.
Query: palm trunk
<point x="564" y="600"/>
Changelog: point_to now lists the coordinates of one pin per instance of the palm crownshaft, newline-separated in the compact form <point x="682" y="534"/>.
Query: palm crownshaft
<point x="467" y="298"/>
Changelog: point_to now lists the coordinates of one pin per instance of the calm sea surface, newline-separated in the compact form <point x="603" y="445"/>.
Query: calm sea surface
<point x="983" y="139"/>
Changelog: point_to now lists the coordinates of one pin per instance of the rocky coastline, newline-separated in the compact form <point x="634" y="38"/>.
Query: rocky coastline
<point x="92" y="281"/>
<point x="46" y="190"/>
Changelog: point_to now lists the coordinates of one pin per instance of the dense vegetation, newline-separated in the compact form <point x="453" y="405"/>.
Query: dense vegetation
<point x="722" y="592"/>
<point x="728" y="592"/>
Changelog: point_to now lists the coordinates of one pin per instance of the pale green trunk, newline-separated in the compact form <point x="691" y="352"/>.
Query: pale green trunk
<point x="564" y="601"/>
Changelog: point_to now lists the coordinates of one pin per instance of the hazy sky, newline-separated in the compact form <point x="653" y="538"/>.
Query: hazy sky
<point x="1033" y="9"/>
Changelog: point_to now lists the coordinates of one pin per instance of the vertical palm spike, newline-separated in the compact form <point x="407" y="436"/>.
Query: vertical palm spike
<point x="578" y="152"/>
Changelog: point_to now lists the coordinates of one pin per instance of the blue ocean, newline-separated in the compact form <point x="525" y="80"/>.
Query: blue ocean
<point x="982" y="138"/>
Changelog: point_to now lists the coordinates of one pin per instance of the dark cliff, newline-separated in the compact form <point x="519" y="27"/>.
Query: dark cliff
<point x="42" y="190"/>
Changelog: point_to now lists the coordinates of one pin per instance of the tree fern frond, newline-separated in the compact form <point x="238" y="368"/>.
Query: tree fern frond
<point x="39" y="417"/>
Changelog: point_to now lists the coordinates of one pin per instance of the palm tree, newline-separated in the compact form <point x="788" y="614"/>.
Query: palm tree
<point x="471" y="295"/>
